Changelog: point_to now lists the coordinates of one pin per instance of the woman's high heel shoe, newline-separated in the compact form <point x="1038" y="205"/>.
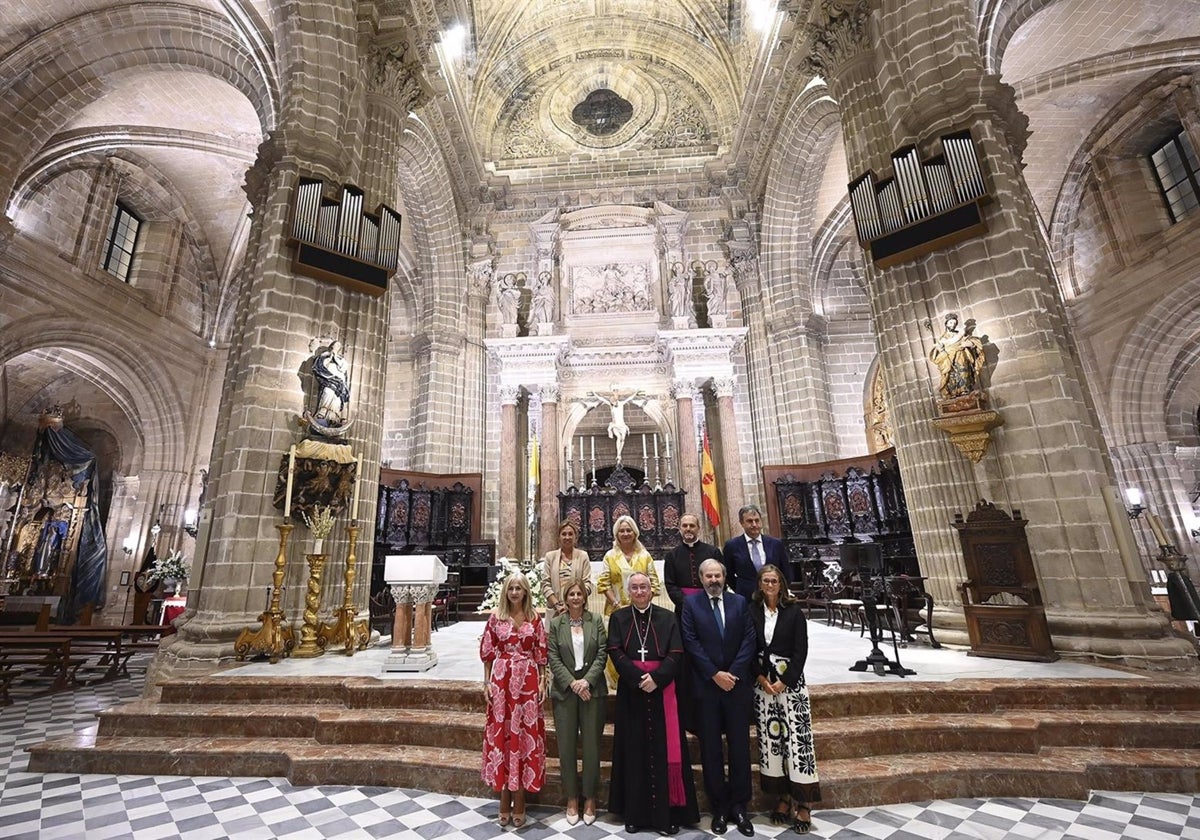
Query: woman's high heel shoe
<point x="505" y="805"/>
<point x="572" y="812"/>
<point x="518" y="814"/>
<point x="589" y="812"/>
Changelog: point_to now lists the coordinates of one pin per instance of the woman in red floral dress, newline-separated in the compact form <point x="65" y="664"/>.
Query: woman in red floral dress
<point x="514" y="654"/>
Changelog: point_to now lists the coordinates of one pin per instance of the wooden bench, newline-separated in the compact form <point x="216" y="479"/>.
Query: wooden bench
<point x="38" y="657"/>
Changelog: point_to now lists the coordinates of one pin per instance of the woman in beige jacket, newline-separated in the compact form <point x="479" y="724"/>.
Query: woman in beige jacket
<point x="563" y="565"/>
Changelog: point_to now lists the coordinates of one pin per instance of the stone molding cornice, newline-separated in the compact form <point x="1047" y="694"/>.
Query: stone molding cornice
<point x="696" y="355"/>
<point x="531" y="360"/>
<point x="838" y="34"/>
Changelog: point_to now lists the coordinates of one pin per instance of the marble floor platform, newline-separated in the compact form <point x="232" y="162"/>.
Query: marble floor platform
<point x="831" y="652"/>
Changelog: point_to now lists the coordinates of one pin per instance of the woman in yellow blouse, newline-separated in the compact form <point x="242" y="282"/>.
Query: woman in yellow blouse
<point x="627" y="556"/>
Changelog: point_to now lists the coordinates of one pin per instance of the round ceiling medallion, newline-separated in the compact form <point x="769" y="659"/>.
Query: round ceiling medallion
<point x="602" y="113"/>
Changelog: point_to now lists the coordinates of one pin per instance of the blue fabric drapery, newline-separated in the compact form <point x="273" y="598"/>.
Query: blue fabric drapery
<point x="91" y="562"/>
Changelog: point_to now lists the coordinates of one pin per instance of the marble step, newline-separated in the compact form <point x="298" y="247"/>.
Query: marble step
<point x="1017" y="731"/>
<point x="1061" y="772"/>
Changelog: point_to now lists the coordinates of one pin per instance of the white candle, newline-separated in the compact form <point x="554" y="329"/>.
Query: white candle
<point x="593" y="449"/>
<point x="643" y="447"/>
<point x="1160" y="533"/>
<point x="656" y="446"/>
<point x="287" y="494"/>
<point x="668" y="437"/>
<point x="581" y="450"/>
<point x="357" y="487"/>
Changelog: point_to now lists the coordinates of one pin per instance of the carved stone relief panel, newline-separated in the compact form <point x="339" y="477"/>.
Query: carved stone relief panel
<point x="611" y="287"/>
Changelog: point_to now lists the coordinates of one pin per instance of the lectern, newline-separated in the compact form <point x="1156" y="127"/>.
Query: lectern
<point x="414" y="580"/>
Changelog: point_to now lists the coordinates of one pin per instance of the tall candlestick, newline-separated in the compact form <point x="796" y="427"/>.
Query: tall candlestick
<point x="593" y="452"/>
<point x="1160" y="533"/>
<point x="287" y="494"/>
<point x="643" y="446"/>
<point x="656" y="446"/>
<point x="668" y="437"/>
<point x="357" y="486"/>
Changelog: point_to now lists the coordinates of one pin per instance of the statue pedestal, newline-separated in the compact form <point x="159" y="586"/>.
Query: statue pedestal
<point x="544" y="328"/>
<point x="414" y="581"/>
<point x="970" y="431"/>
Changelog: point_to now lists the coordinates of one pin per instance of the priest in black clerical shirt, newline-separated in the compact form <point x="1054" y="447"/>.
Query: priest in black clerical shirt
<point x="652" y="786"/>
<point x="681" y="575"/>
<point x="681" y="565"/>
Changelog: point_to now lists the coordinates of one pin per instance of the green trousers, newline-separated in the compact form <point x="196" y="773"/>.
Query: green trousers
<point x="572" y="718"/>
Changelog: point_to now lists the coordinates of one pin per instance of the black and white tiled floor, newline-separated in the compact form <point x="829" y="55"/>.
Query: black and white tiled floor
<point x="58" y="806"/>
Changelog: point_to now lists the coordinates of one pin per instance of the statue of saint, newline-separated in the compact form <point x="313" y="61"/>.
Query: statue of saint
<point x="507" y="296"/>
<point x="958" y="355"/>
<point x="541" y="309"/>
<point x="332" y="373"/>
<point x="680" y="291"/>
<point x="716" y="285"/>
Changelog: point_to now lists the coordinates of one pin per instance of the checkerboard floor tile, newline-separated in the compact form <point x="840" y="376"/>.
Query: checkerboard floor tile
<point x="63" y="807"/>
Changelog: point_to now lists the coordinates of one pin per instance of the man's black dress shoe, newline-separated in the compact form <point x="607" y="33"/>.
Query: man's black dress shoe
<point x="630" y="828"/>
<point x="718" y="824"/>
<point x="669" y="831"/>
<point x="743" y="824"/>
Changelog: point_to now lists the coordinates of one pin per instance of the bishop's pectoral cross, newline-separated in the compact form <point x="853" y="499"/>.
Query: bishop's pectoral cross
<point x="642" y="651"/>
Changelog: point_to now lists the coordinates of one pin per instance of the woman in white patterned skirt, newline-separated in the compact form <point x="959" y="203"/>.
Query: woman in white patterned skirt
<point x="787" y="764"/>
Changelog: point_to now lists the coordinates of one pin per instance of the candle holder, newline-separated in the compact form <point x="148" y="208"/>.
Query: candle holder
<point x="275" y="638"/>
<point x="1181" y="592"/>
<point x="310" y="643"/>
<point x="345" y="630"/>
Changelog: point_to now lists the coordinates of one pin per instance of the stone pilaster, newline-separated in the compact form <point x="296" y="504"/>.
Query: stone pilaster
<point x="731" y="454"/>
<point x="1048" y="460"/>
<point x="506" y="544"/>
<point x="550" y="468"/>
<point x="687" y="469"/>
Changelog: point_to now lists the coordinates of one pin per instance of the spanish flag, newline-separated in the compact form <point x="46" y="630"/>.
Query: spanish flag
<point x="708" y="485"/>
<point x="535" y="466"/>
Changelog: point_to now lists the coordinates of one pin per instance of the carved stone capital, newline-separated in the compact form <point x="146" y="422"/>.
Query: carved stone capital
<point x="510" y="394"/>
<point x="407" y="593"/>
<point x="479" y="276"/>
<point x="838" y="34"/>
<point x="685" y="389"/>
<point x="549" y="393"/>
<point x="723" y="386"/>
<point x="395" y="73"/>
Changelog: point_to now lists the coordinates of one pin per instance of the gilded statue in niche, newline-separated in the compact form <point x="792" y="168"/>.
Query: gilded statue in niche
<point x="879" y="421"/>
<point x="958" y="355"/>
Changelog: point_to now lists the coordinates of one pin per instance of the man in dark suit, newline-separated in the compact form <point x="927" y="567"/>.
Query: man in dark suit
<point x="745" y="555"/>
<point x="718" y="635"/>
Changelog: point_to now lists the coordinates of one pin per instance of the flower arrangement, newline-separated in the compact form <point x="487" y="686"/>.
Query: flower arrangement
<point x="508" y="565"/>
<point x="320" y="525"/>
<point x="172" y="566"/>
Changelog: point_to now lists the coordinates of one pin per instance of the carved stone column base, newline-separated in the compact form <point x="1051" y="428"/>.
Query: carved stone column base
<point x="412" y="659"/>
<point x="970" y="431"/>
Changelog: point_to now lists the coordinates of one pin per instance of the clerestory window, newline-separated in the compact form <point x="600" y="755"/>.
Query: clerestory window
<point x="1175" y="168"/>
<point x="121" y="242"/>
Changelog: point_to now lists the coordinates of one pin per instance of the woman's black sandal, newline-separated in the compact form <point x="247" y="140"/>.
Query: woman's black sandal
<point x="803" y="826"/>
<point x="782" y="813"/>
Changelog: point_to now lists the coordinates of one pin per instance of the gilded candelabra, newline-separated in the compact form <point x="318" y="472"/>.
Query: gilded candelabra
<point x="344" y="630"/>
<point x="310" y="638"/>
<point x="275" y="638"/>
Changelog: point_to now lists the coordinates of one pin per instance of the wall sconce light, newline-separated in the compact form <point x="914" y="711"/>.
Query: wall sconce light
<point x="128" y="545"/>
<point x="1135" y="499"/>
<point x="189" y="523"/>
<point x="155" y="529"/>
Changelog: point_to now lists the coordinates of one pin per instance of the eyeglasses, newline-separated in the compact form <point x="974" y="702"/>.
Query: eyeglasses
<point x="769" y="582"/>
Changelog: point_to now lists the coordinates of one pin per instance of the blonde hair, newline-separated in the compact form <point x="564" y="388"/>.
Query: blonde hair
<point x="637" y="534"/>
<point x="503" y="609"/>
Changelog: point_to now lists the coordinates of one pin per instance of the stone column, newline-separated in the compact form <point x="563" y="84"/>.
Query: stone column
<point x="506" y="545"/>
<point x="731" y="455"/>
<point x="1048" y="460"/>
<point x="687" y="461"/>
<point x="764" y="409"/>
<point x="551" y="450"/>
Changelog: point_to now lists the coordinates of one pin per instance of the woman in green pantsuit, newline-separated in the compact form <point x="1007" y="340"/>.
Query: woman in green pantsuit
<point x="577" y="657"/>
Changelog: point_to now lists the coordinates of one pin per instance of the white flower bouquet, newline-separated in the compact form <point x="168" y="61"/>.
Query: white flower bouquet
<point x="508" y="565"/>
<point x="172" y="566"/>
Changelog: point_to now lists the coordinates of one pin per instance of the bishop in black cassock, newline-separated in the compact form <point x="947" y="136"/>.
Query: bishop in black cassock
<point x="652" y="785"/>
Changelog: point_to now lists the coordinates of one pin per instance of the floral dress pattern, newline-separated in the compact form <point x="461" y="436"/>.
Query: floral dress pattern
<point x="514" y="742"/>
